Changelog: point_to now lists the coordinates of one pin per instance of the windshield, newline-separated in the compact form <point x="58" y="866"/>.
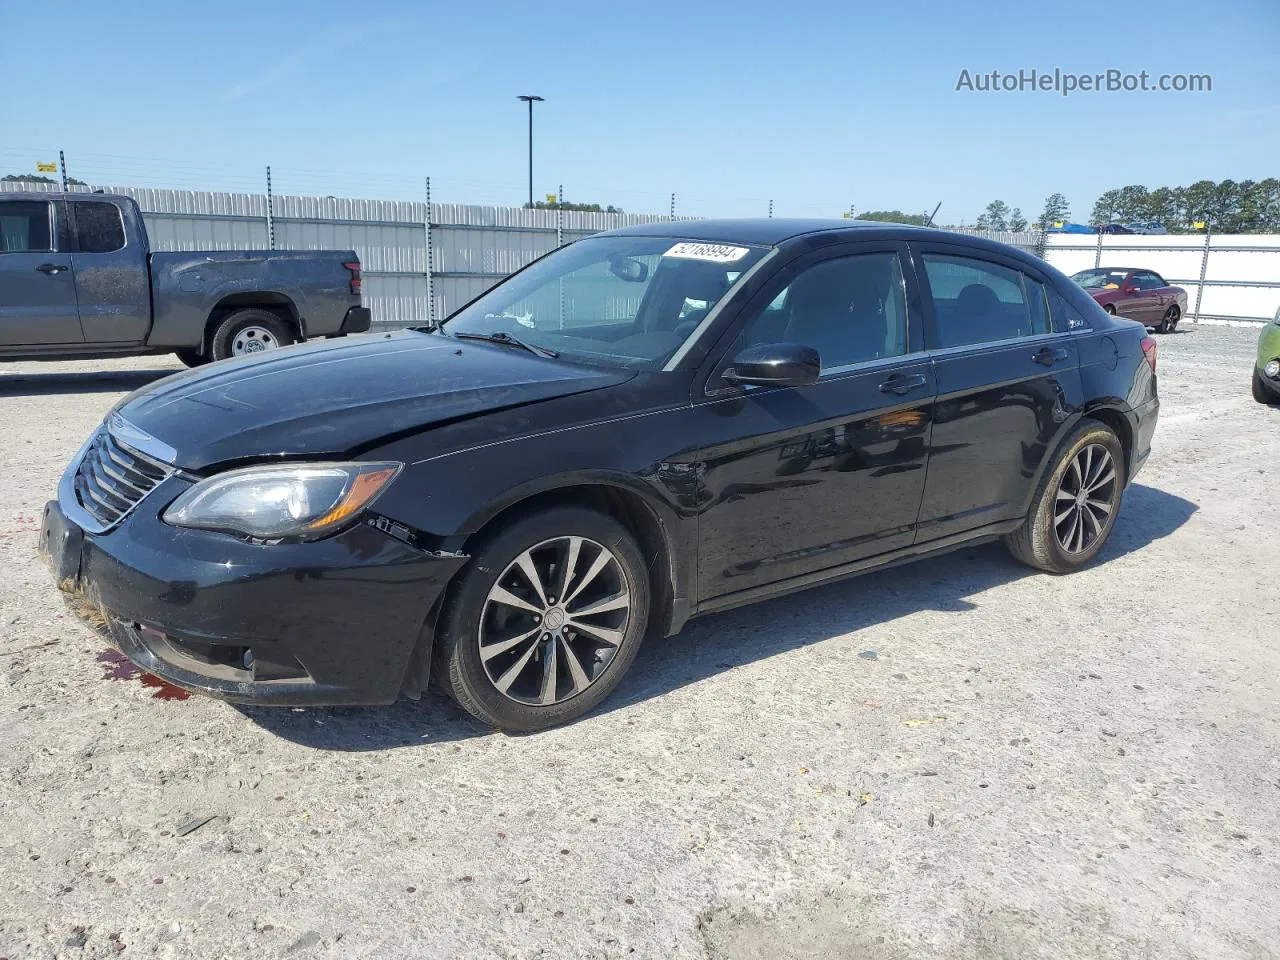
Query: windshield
<point x="1100" y="279"/>
<point x="628" y="301"/>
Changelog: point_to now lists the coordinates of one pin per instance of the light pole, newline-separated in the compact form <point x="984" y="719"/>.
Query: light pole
<point x="527" y="98"/>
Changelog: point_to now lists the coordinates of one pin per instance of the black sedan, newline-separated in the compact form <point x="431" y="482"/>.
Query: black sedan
<point x="644" y="426"/>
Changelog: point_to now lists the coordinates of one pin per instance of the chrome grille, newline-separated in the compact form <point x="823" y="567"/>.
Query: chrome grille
<point x="112" y="478"/>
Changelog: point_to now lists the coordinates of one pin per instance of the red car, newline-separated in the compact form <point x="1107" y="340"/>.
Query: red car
<point x="1141" y="295"/>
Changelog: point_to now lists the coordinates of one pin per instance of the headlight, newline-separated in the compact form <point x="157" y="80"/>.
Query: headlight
<point x="293" y="502"/>
<point x="1272" y="369"/>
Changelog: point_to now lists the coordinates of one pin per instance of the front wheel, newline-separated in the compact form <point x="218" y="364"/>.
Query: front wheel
<point x="545" y="621"/>
<point x="1169" y="322"/>
<point x="1076" y="504"/>
<point x="1110" y="309"/>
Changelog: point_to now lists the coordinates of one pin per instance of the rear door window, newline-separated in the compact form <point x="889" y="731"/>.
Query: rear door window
<point x="979" y="301"/>
<point x="24" y="226"/>
<point x="99" y="226"/>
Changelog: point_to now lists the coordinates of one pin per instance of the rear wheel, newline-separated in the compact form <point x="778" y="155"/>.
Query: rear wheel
<point x="1169" y="322"/>
<point x="1075" y="506"/>
<point x="545" y="621"/>
<point x="249" y="331"/>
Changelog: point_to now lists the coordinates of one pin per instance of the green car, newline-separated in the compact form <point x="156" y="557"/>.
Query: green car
<point x="1266" y="373"/>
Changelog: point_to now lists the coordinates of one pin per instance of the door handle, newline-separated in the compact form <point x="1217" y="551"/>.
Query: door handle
<point x="900" y="384"/>
<point x="1048" y="356"/>
<point x="52" y="268"/>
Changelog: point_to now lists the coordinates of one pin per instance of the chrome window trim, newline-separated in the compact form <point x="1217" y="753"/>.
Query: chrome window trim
<point x="996" y="344"/>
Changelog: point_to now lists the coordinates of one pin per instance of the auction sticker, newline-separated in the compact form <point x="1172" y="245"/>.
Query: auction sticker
<point x="715" y="252"/>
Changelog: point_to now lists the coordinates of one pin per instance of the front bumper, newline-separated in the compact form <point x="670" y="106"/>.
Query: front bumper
<point x="336" y="621"/>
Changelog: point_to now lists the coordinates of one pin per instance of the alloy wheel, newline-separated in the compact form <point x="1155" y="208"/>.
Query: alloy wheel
<point x="253" y="339"/>
<point x="553" y="620"/>
<point x="1086" y="498"/>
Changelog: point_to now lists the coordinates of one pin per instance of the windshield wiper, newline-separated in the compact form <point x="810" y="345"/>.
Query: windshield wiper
<point x="500" y="336"/>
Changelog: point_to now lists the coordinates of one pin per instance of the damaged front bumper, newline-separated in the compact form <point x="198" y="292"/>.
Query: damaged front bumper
<point x="345" y="620"/>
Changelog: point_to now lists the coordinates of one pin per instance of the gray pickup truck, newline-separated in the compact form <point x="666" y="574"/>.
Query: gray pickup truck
<point x="78" y="280"/>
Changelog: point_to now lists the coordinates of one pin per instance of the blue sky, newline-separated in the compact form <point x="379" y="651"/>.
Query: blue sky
<point x="815" y="105"/>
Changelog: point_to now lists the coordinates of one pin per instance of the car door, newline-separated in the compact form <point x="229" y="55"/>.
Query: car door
<point x="1138" y="302"/>
<point x="1151" y="295"/>
<point x="37" y="287"/>
<point x="794" y="480"/>
<point x="1007" y="382"/>
<point x="113" y="284"/>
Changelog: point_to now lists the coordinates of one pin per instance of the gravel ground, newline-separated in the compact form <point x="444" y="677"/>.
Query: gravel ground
<point x="955" y="759"/>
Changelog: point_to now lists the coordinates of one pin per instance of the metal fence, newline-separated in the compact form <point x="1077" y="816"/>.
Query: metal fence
<point x="468" y="248"/>
<point x="1229" y="278"/>
<point x="418" y="268"/>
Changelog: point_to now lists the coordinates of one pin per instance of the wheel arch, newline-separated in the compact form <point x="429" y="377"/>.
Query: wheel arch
<point x="1115" y="419"/>
<point x="280" y="304"/>
<point x="654" y="525"/>
<point x="1105" y="413"/>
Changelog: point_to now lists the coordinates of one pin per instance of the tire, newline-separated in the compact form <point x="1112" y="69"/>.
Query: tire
<point x="1169" y="322"/>
<point x="1039" y="542"/>
<point x="472" y="617"/>
<point x="1110" y="309"/>
<point x="1261" y="392"/>
<point x="192" y="356"/>
<point x="249" y="331"/>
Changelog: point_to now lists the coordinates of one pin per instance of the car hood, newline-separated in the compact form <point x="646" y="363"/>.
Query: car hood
<point x="330" y="398"/>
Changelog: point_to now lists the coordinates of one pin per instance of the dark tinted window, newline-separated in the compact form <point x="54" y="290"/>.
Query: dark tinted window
<point x="976" y="301"/>
<point x="849" y="309"/>
<point x="1068" y="316"/>
<point x="1146" y="280"/>
<point x="99" y="225"/>
<point x="24" y="226"/>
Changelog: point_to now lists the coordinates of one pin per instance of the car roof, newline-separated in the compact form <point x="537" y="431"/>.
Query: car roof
<point x="59" y="195"/>
<point x="762" y="231"/>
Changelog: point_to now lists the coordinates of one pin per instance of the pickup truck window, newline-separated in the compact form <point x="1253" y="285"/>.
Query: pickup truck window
<point x="99" y="226"/>
<point x="24" y="226"/>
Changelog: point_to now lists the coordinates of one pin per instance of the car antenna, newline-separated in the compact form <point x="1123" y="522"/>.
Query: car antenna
<point x="929" y="222"/>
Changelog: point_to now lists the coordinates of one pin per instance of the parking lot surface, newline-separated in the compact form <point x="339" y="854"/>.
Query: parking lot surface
<point x="955" y="759"/>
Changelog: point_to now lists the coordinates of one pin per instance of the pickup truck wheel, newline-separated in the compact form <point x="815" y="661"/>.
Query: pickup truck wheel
<point x="249" y="331"/>
<point x="192" y="356"/>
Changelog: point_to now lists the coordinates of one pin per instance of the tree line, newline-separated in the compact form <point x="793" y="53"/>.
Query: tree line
<point x="1227" y="206"/>
<point x="570" y="205"/>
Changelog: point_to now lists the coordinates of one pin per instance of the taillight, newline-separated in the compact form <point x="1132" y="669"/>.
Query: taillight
<point x="1149" y="351"/>
<point x="356" y="283"/>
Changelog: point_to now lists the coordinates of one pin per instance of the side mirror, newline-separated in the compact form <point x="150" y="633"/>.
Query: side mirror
<point x="1129" y="290"/>
<point x="629" y="269"/>
<point x="775" y="365"/>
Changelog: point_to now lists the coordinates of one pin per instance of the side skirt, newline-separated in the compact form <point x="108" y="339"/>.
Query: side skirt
<point x="918" y="551"/>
